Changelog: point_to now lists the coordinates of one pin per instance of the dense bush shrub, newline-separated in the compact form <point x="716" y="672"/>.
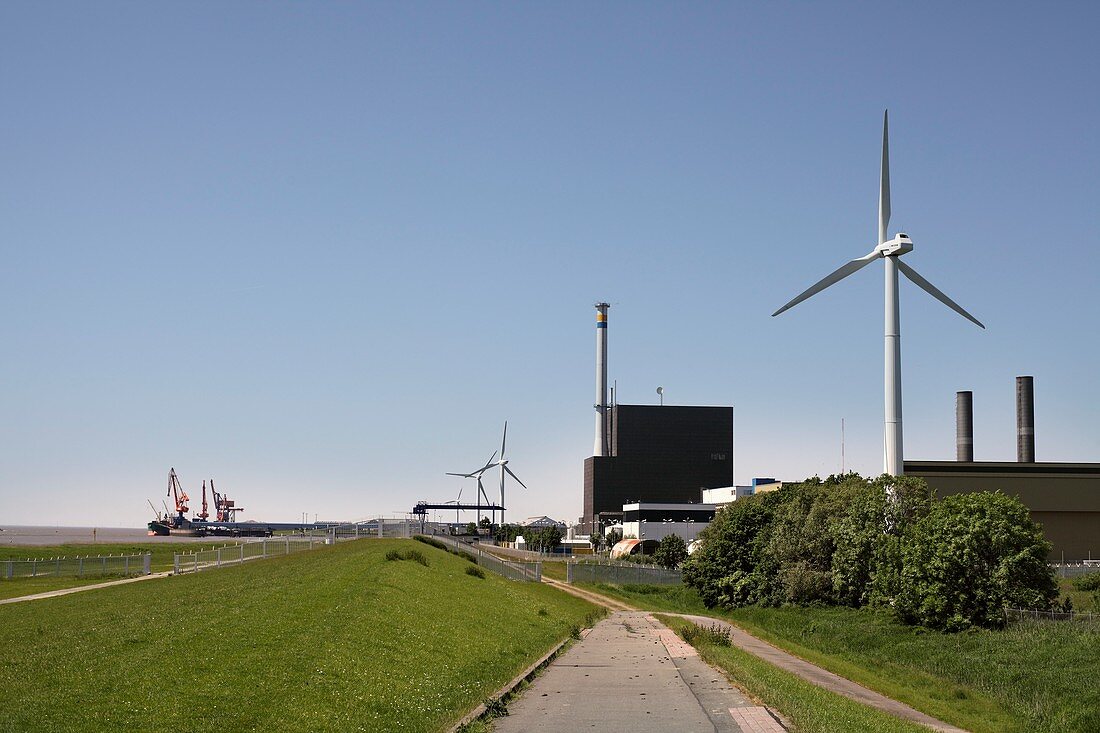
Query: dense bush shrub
<point x="475" y="571"/>
<point x="414" y="555"/>
<point x="857" y="542"/>
<point x="969" y="558"/>
<point x="432" y="541"/>
<point x="1089" y="583"/>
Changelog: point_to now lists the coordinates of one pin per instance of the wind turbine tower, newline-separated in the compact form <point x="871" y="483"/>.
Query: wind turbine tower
<point x="890" y="251"/>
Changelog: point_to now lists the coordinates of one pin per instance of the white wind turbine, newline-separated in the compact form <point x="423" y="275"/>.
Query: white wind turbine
<point x="890" y="251"/>
<point x="502" y="462"/>
<point x="480" y="487"/>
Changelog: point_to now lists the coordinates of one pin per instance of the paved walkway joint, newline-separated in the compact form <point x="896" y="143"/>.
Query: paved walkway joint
<point x="634" y="671"/>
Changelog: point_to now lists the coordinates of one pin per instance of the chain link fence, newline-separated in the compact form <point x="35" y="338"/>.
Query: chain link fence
<point x="620" y="573"/>
<point x="528" y="572"/>
<point x="192" y="562"/>
<point x="1074" y="569"/>
<point x="77" y="567"/>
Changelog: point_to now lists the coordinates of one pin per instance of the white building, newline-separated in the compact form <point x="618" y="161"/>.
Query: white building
<point x="653" y="521"/>
<point x="726" y="494"/>
<point x="539" y="522"/>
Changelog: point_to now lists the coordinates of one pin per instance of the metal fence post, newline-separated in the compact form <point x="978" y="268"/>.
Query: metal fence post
<point x="126" y="565"/>
<point x="11" y="568"/>
<point x="34" y="568"/>
<point x="242" y="551"/>
<point x="218" y="561"/>
<point x="569" y="573"/>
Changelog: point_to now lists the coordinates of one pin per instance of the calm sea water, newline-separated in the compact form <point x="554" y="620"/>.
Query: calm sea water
<point x="81" y="535"/>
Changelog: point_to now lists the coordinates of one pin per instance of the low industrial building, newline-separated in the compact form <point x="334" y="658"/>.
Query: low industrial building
<point x="1063" y="497"/>
<point x="657" y="454"/>
<point x="655" y="520"/>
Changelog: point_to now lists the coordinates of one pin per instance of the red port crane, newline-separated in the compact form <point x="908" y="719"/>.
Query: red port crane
<point x="226" y="508"/>
<point x="204" y="514"/>
<point x="176" y="491"/>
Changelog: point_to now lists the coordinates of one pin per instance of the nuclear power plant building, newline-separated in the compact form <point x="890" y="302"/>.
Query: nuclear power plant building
<point x="657" y="454"/>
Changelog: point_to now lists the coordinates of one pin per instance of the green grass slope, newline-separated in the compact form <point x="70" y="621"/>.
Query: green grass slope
<point x="337" y="639"/>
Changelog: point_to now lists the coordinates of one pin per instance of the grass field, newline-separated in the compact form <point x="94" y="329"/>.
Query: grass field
<point x="161" y="560"/>
<point x="809" y="708"/>
<point x="1030" y="677"/>
<point x="337" y="639"/>
<point x="162" y="554"/>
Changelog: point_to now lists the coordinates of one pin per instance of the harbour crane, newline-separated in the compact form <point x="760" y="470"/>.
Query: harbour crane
<point x="178" y="494"/>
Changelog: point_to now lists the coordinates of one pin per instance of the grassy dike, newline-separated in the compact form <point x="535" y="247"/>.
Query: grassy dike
<point x="1031" y="677"/>
<point x="337" y="639"/>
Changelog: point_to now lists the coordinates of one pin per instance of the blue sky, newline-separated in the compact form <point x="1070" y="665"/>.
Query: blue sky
<point x="321" y="252"/>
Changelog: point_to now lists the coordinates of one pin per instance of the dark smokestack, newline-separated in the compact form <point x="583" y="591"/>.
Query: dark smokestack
<point x="1025" y="419"/>
<point x="964" y="427"/>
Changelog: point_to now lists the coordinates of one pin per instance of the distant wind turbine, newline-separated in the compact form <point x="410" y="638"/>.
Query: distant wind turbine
<point x="502" y="463"/>
<point x="480" y="487"/>
<point x="890" y="251"/>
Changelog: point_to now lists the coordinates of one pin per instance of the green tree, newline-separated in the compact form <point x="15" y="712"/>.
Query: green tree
<point x="543" y="539"/>
<point x="508" y="532"/>
<point x="970" y="557"/>
<point x="729" y="567"/>
<point x="866" y="560"/>
<point x="596" y="540"/>
<point x="671" y="551"/>
<point x="471" y="528"/>
<point x="613" y="536"/>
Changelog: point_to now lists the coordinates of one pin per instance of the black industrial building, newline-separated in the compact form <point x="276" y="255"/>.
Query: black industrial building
<point x="657" y="454"/>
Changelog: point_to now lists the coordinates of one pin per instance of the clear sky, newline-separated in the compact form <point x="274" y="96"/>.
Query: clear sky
<point x="321" y="252"/>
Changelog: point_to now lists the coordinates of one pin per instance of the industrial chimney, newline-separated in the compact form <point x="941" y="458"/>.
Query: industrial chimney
<point x="1025" y="419"/>
<point x="964" y="427"/>
<point x="601" y="445"/>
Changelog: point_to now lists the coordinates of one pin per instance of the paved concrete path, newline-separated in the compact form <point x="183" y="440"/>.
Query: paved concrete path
<point x="634" y="671"/>
<point x="788" y="662"/>
<point x="80" y="588"/>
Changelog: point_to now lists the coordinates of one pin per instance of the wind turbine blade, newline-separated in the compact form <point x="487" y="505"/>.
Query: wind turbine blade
<point x="463" y="475"/>
<point x="884" y="180"/>
<point x="490" y="461"/>
<point x="504" y="440"/>
<point x="831" y="279"/>
<point x="932" y="290"/>
<point x="515" y="477"/>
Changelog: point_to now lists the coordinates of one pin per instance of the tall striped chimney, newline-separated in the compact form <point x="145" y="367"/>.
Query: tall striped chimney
<point x="1025" y="419"/>
<point x="601" y="445"/>
<point x="964" y="427"/>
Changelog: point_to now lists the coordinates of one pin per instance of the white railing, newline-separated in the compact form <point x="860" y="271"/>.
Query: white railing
<point x="236" y="554"/>
<point x="76" y="567"/>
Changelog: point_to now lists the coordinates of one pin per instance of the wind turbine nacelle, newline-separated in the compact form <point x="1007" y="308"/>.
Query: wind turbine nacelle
<point x="899" y="245"/>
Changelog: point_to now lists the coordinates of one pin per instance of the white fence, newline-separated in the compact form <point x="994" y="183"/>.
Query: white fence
<point x="192" y="562"/>
<point x="77" y="567"/>
<point x="1073" y="569"/>
<point x="1031" y="614"/>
